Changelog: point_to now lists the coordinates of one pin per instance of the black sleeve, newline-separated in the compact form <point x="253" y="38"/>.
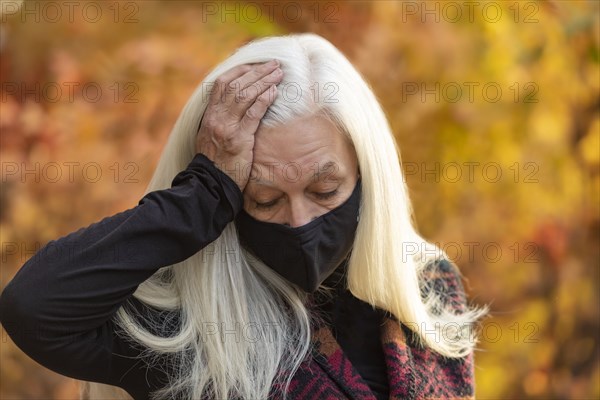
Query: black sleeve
<point x="58" y="307"/>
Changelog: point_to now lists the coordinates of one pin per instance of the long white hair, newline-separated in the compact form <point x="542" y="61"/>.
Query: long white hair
<point x="222" y="288"/>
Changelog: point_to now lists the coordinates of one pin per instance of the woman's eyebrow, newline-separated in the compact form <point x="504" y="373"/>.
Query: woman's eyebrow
<point x="328" y="170"/>
<point x="263" y="182"/>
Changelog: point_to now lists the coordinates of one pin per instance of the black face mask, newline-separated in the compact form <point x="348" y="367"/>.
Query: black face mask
<point x="308" y="254"/>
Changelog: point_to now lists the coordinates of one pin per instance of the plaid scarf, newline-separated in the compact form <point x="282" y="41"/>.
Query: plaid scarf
<point x="414" y="372"/>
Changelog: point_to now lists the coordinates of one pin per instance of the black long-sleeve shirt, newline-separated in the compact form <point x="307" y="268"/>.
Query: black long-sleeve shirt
<point x="58" y="308"/>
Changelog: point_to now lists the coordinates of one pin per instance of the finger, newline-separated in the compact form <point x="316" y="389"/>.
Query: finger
<point x="220" y="85"/>
<point x="245" y="89"/>
<point x="254" y="113"/>
<point x="253" y="75"/>
<point x="247" y="97"/>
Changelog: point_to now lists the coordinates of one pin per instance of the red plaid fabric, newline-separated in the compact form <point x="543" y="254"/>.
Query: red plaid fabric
<point x="414" y="372"/>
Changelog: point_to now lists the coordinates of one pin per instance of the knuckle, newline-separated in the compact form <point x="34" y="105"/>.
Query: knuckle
<point x="258" y="73"/>
<point x="220" y="130"/>
<point x="265" y="98"/>
<point x="220" y="81"/>
<point x="215" y="127"/>
<point x="251" y="113"/>
<point x="243" y="96"/>
<point x="209" y="120"/>
<point x="256" y="88"/>
<point x="234" y="84"/>
<point x="261" y="102"/>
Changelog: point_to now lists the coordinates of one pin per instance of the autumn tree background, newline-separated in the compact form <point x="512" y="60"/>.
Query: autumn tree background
<point x="495" y="106"/>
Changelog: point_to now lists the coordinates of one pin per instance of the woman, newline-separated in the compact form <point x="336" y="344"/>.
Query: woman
<point x="272" y="256"/>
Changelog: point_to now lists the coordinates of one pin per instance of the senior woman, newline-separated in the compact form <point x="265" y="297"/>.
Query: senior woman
<point x="272" y="256"/>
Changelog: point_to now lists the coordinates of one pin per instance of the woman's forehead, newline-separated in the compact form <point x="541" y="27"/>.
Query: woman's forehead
<point x="303" y="141"/>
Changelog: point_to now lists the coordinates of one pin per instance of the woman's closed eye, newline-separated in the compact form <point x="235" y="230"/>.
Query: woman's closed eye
<point x="327" y="195"/>
<point x="265" y="206"/>
<point x="319" y="195"/>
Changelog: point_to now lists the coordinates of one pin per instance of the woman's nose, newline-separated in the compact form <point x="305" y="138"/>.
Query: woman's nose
<point x="299" y="213"/>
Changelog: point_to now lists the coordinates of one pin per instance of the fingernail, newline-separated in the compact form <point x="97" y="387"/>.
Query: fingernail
<point x="274" y="62"/>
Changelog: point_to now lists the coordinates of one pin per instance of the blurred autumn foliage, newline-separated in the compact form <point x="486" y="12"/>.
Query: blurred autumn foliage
<point x="496" y="108"/>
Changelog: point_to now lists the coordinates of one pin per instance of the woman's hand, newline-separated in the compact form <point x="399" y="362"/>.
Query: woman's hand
<point x="237" y="102"/>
